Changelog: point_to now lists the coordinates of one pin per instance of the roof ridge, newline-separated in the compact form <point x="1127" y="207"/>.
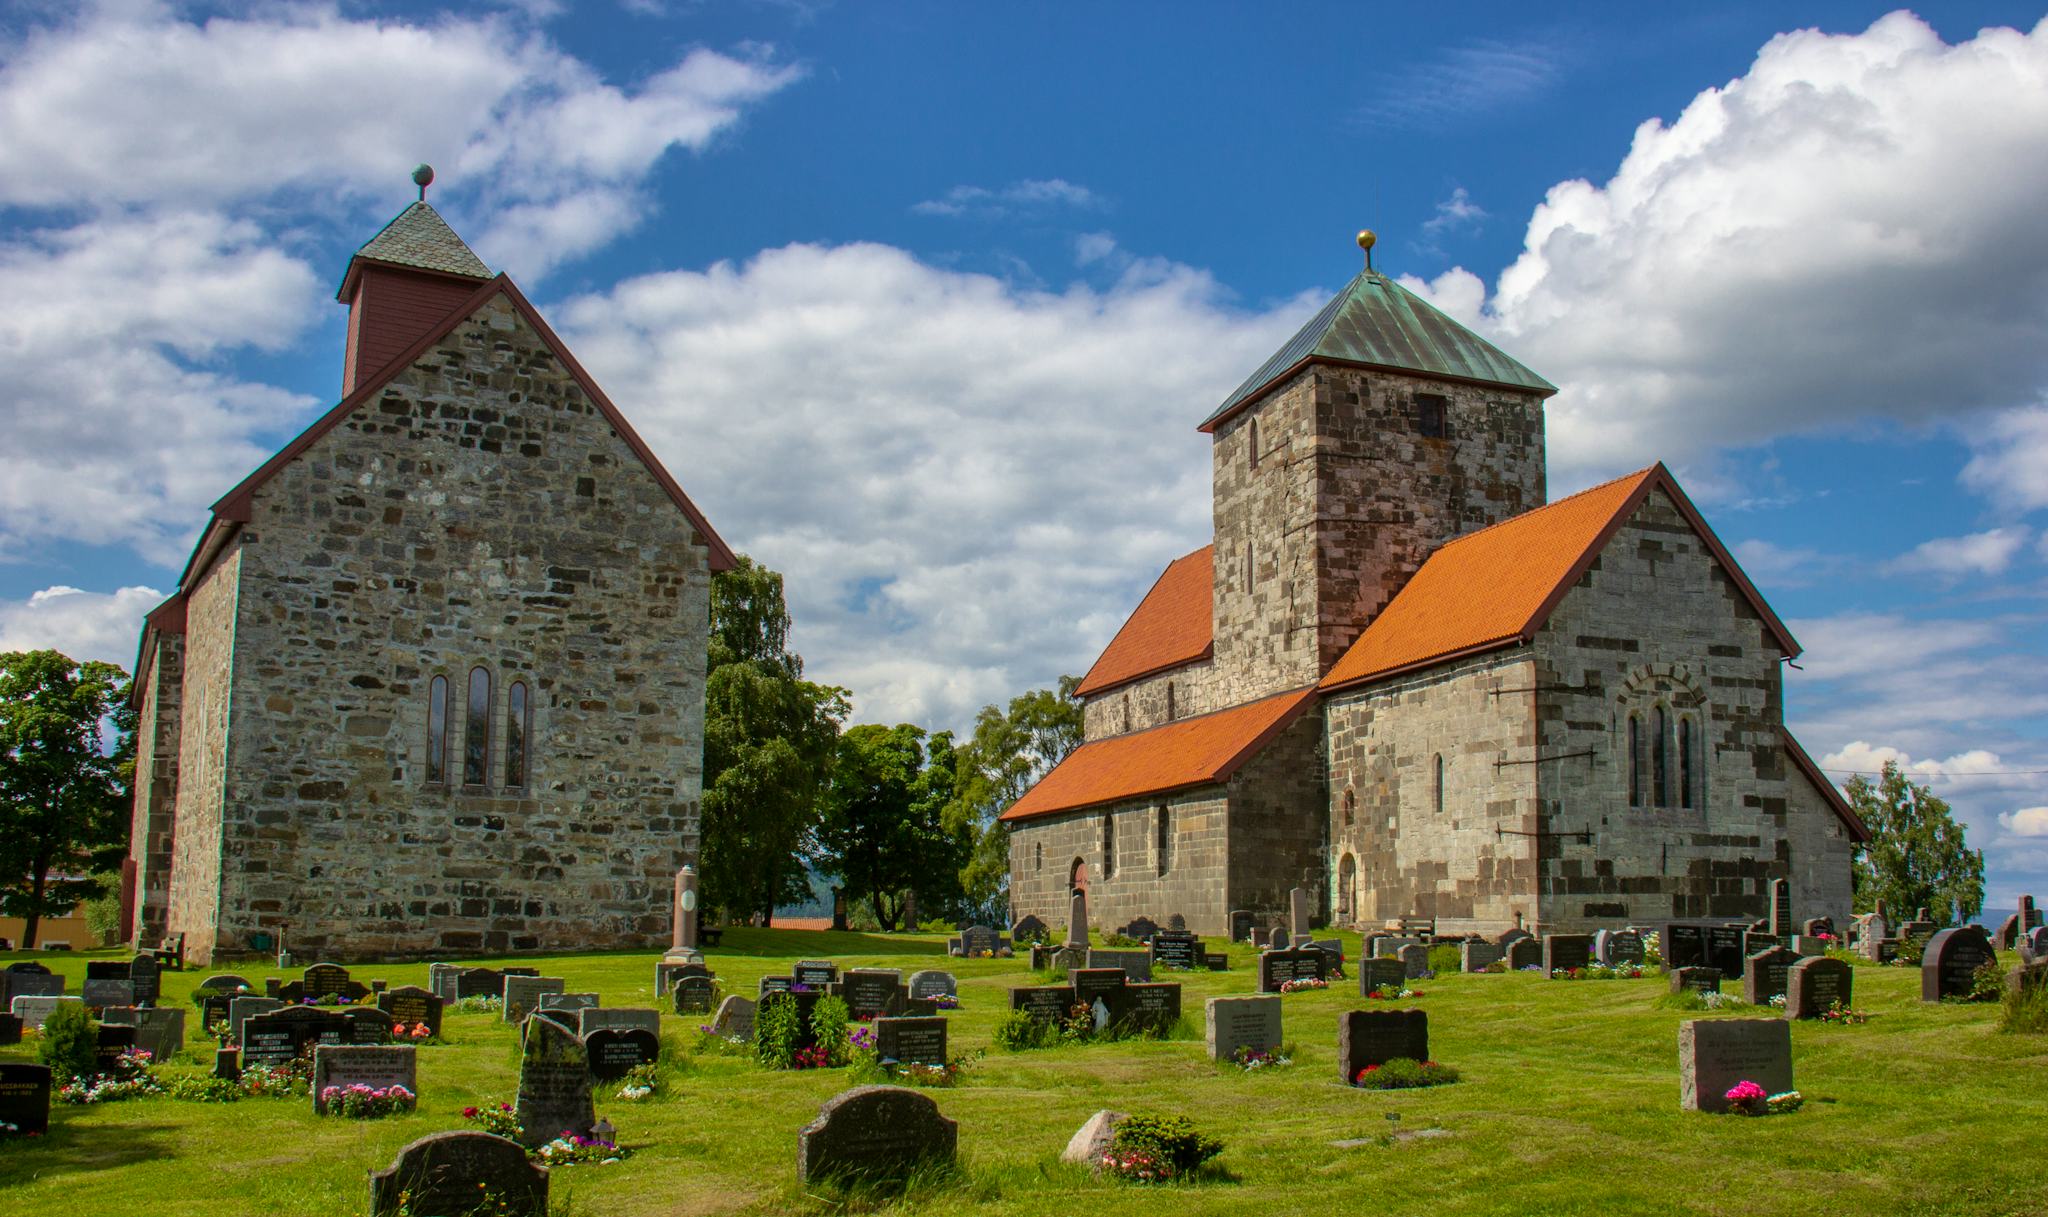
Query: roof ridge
<point x="1523" y="515"/>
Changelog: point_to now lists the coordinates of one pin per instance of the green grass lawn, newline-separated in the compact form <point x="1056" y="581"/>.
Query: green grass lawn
<point x="1569" y="1104"/>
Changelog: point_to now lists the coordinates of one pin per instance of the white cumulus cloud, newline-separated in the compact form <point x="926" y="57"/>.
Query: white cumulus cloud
<point x="83" y="625"/>
<point x="1979" y="553"/>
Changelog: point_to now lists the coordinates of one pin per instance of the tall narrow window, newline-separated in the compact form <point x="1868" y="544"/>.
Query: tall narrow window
<point x="1350" y="807"/>
<point x="1248" y="584"/>
<point x="1660" y="760"/>
<point x="1635" y="761"/>
<point x="1108" y="845"/>
<point x="1430" y="411"/>
<point x="1163" y="845"/>
<point x="1685" y="767"/>
<point x="1252" y="446"/>
<point x="1127" y="712"/>
<point x="518" y="715"/>
<point x="1170" y="708"/>
<point x="1439" y="783"/>
<point x="437" y="729"/>
<point x="1038" y="856"/>
<point x="476" y="730"/>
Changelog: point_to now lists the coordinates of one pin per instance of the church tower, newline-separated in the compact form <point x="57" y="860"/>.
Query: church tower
<point x="1381" y="430"/>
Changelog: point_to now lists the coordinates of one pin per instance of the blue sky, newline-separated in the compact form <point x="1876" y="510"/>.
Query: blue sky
<point x="922" y="302"/>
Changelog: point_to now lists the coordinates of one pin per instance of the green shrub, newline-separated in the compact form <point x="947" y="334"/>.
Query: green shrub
<point x="1019" y="1032"/>
<point x="937" y="925"/>
<point x="777" y="1025"/>
<point x="1987" y="983"/>
<point x="1445" y="960"/>
<point x="1173" y="1141"/>
<point x="2023" y="1009"/>
<point x="1120" y="940"/>
<point x="69" y="1042"/>
<point x="829" y="1020"/>
<point x="199" y="1088"/>
<point x="1404" y="1073"/>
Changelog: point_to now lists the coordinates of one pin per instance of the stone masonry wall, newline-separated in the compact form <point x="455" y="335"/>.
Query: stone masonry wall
<point x="1264" y="625"/>
<point x="479" y="512"/>
<point x="1822" y="852"/>
<point x="1466" y="866"/>
<point x="1276" y="825"/>
<point x="1658" y="623"/>
<point x="203" y="742"/>
<point x="1043" y="852"/>
<point x="1194" y="689"/>
<point x="1386" y="496"/>
<point x="150" y="829"/>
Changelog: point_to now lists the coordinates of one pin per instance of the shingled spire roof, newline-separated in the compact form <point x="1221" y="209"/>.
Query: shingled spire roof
<point x="418" y="237"/>
<point x="1375" y="322"/>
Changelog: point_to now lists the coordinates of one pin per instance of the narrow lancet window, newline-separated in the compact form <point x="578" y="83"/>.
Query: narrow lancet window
<point x="1660" y="760"/>
<point x="437" y="729"/>
<point x="1635" y="761"/>
<point x="476" y="731"/>
<point x="1685" y="763"/>
<point x="517" y="716"/>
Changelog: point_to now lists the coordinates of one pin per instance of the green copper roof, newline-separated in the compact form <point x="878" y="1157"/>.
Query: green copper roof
<point x="1376" y="321"/>
<point x="420" y="237"/>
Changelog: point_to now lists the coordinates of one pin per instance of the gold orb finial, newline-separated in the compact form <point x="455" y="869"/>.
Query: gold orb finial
<point x="1367" y="238"/>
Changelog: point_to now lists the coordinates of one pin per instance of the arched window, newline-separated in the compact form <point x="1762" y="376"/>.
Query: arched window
<point x="1108" y="846"/>
<point x="1248" y="580"/>
<point x="437" y="729"/>
<point x="476" y="730"/>
<point x="1127" y="712"/>
<point x="1170" y="709"/>
<point x="1077" y="876"/>
<point x="1350" y="807"/>
<point x="1038" y="856"/>
<point x="1347" y="890"/>
<point x="518" y="721"/>
<point x="1439" y="783"/>
<point x="1163" y="842"/>
<point x="1635" y="761"/>
<point x="1252" y="447"/>
<point x="1685" y="763"/>
<point x="1660" y="759"/>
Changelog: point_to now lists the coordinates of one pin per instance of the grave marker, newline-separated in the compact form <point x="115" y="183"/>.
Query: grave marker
<point x="911" y="1041"/>
<point x="345" y="1065"/>
<point x="32" y="1009"/>
<point x="1478" y="955"/>
<point x="1683" y="946"/>
<point x="874" y="1132"/>
<point x="158" y="1031"/>
<point x="522" y="995"/>
<point x="1716" y="1053"/>
<point x="1525" y="952"/>
<point x="693" y="994"/>
<point x="1279" y="966"/>
<point x="613" y="1052"/>
<point x="1766" y="973"/>
<point x="735" y="1019"/>
<point x="446" y="1172"/>
<point x="1618" y="948"/>
<point x="596" y="1017"/>
<point x="1414" y="961"/>
<point x="1781" y="926"/>
<point x="930" y="983"/>
<point x="554" y="1084"/>
<point x="1566" y="952"/>
<point x="144" y="977"/>
<point x="1949" y="963"/>
<point x="1374" y="1037"/>
<point x="815" y="973"/>
<point x="872" y="993"/>
<point x="1137" y="965"/>
<point x="1241" y="1022"/>
<point x="25" y="1098"/>
<point x="1816" y="984"/>
<point x="412" y="1005"/>
<point x="1381" y="973"/>
<point x="1725" y="948"/>
<point x="1698" y="980"/>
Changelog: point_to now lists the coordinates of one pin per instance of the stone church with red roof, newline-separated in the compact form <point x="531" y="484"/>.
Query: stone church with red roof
<point x="433" y="680"/>
<point x="1399" y="677"/>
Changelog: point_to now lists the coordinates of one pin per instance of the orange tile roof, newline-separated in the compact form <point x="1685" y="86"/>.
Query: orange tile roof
<point x="1497" y="586"/>
<point x="1174" y="756"/>
<point x="1173" y="625"/>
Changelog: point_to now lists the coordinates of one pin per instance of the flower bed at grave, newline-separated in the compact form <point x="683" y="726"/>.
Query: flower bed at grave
<point x="360" y="1102"/>
<point x="709" y="1040"/>
<point x="483" y="1004"/>
<point x="418" y="1033"/>
<point x="1019" y="1032"/>
<point x="1404" y="1073"/>
<point x="777" y="1025"/>
<point x="1600" y="971"/>
<point x="1842" y="1016"/>
<point x="131" y="1078"/>
<point x="497" y="1120"/>
<point x="944" y="1001"/>
<point x="1253" y="1060"/>
<point x="641" y="1082"/>
<point x="1746" y="1098"/>
<point x="571" y="1148"/>
<point x="1392" y="993"/>
<point x="1304" y="984"/>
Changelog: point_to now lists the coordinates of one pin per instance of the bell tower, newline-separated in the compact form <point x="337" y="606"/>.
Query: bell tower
<point x="402" y="283"/>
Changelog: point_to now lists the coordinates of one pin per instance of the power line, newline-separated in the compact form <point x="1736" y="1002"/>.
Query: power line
<point x="1959" y="773"/>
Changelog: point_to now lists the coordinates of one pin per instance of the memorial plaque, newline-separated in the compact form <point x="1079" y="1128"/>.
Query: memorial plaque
<point x="1949" y="963"/>
<point x="616" y="1051"/>
<point x="619" y="1017"/>
<point x="815" y="973"/>
<point x="1766" y="973"/>
<point x="100" y="993"/>
<point x="1477" y="956"/>
<point x="446" y="1172"/>
<point x="554" y="1084"/>
<point x="158" y="1031"/>
<point x="1566" y="952"/>
<point x="1044" y="1003"/>
<point x="412" y="1005"/>
<point x="24" y="1099"/>
<point x="1374" y="1037"/>
<point x="874" y="1132"/>
<point x="872" y="993"/>
<point x="1242" y="1022"/>
<point x="929" y="983"/>
<point x="1716" y="1053"/>
<point x="1698" y="980"/>
<point x="340" y="1066"/>
<point x="735" y="1019"/>
<point x="1816" y="984"/>
<point x="911" y="1041"/>
<point x="1279" y="966"/>
<point x="522" y="995"/>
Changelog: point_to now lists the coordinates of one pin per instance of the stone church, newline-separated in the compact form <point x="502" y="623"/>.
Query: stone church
<point x="1401" y="678"/>
<point x="433" y="680"/>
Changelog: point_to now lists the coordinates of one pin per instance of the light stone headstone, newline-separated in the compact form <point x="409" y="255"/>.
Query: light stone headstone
<point x="735" y="1019"/>
<point x="377" y="1067"/>
<point x="1242" y="1022"/>
<point x="32" y="1010"/>
<point x="1136" y="964"/>
<point x="522" y="995"/>
<point x="244" y="1008"/>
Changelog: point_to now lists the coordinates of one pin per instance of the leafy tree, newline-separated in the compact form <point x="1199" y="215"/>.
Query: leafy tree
<point x="63" y="798"/>
<point x="768" y="746"/>
<point x="884" y="833"/>
<point x="1006" y="755"/>
<point x="1917" y="855"/>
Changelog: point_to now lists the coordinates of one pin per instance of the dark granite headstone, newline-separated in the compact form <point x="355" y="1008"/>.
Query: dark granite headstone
<point x="275" y="1037"/>
<point x="1477" y="955"/>
<point x="101" y="992"/>
<point x="1414" y="961"/>
<point x="446" y="1172"/>
<point x="1781" y="926"/>
<point x="158" y="1031"/>
<point x="874" y="1132"/>
<point x="1176" y="949"/>
<point x="1216" y="961"/>
<point x="976" y="939"/>
<point x="367" y="1025"/>
<point x="1381" y="973"/>
<point x="815" y="973"/>
<point x="1278" y="967"/>
<point x="1566" y="952"/>
<point x="1135" y="965"/>
<point x="930" y="983"/>
<point x="242" y="1008"/>
<point x="1044" y="1003"/>
<point x="774" y="984"/>
<point x="227" y="1064"/>
<point x="1725" y="951"/>
<point x="522" y="994"/>
<point x="872" y="993"/>
<point x="1155" y="1006"/>
<point x="1949" y="963"/>
<point x="144" y="975"/>
<point x="1141" y="929"/>
<point x="1104" y="987"/>
<point x="554" y="1084"/>
<point x="1618" y="948"/>
<point x="911" y="1041"/>
<point x="614" y="1051"/>
<point x="24" y="1099"/>
<point x="323" y="980"/>
<point x="1374" y="1037"/>
<point x="1028" y="926"/>
<point x="1817" y="983"/>
<point x="10" y="1029"/>
<point x="1766" y="973"/>
<point x="1698" y="980"/>
<point x="596" y="1017"/>
<point x="412" y="1005"/>
<point x="1716" y="1053"/>
<point x="1241" y="924"/>
<point x="113" y="1040"/>
<point x="694" y="994"/>
<point x="1525" y="952"/>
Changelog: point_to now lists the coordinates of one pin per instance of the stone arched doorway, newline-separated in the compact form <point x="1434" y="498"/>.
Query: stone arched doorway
<point x="1077" y="876"/>
<point x="1347" y="891"/>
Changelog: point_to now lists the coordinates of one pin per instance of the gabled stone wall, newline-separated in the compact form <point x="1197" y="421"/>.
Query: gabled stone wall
<point x="203" y="741"/>
<point x="153" y="822"/>
<point x="479" y="511"/>
<point x="1145" y="703"/>
<point x="1044" y="850"/>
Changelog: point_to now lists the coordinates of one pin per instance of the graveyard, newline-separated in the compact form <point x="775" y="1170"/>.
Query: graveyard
<point x="1567" y="1101"/>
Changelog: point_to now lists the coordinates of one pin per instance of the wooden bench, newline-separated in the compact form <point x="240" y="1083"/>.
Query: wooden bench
<point x="709" y="938"/>
<point x="1417" y="927"/>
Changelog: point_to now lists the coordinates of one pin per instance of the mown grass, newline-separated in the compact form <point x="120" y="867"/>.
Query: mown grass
<point x="1568" y="1105"/>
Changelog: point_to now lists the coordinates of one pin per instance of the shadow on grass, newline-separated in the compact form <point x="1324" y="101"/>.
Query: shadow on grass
<point x="927" y="1184"/>
<point x="69" y="1147"/>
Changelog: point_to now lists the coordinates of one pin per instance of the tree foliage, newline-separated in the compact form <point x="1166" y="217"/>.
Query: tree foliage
<point x="884" y="832"/>
<point x="769" y="739"/>
<point x="1006" y="755"/>
<point x="64" y="796"/>
<point x="1917" y="856"/>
